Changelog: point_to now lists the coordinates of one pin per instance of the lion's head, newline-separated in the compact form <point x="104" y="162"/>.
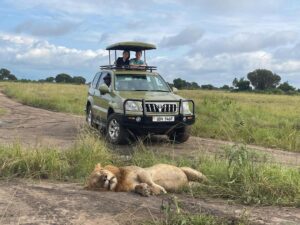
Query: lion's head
<point x="102" y="179"/>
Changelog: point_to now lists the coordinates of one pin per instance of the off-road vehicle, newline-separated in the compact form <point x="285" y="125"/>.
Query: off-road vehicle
<point x="130" y="101"/>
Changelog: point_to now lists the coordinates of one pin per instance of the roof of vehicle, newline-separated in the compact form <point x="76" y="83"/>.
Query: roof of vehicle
<point x="131" y="46"/>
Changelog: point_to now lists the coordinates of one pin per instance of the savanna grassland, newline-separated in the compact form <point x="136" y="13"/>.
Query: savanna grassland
<point x="260" y="119"/>
<point x="238" y="174"/>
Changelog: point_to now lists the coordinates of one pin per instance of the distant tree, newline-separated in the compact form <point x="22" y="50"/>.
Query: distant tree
<point x="194" y="85"/>
<point x="225" y="87"/>
<point x="286" y="87"/>
<point x="262" y="79"/>
<point x="241" y="84"/>
<point x="6" y="75"/>
<point x="179" y="83"/>
<point x="207" y="87"/>
<point x="78" y="80"/>
<point x="63" y="78"/>
<point x="50" y="79"/>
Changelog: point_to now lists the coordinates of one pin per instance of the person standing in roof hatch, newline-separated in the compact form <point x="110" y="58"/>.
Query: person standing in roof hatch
<point x="137" y="60"/>
<point x="123" y="61"/>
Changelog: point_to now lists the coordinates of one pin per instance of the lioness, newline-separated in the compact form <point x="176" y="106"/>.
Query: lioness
<point x="157" y="179"/>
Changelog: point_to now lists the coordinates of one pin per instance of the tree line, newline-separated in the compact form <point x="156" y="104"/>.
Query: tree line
<point x="259" y="80"/>
<point x="6" y="75"/>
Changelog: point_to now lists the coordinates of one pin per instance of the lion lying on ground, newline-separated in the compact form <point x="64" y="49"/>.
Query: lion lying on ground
<point x="154" y="180"/>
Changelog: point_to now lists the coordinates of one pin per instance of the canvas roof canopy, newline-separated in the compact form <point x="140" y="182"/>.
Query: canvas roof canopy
<point x="131" y="46"/>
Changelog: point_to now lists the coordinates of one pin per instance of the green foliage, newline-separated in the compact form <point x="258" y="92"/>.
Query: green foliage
<point x="263" y="79"/>
<point x="207" y="87"/>
<point x="286" y="87"/>
<point x="63" y="78"/>
<point x="6" y="75"/>
<point x="183" y="84"/>
<point x="78" y="80"/>
<point x="50" y="79"/>
<point x="242" y="84"/>
<point x="225" y="87"/>
<point x="74" y="163"/>
<point x="246" y="178"/>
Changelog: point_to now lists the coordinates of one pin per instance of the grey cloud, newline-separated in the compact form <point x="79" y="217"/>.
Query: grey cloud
<point x="244" y="42"/>
<point x="46" y="29"/>
<point x="185" y="37"/>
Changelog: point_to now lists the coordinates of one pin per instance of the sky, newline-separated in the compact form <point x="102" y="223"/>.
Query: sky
<point x="206" y="41"/>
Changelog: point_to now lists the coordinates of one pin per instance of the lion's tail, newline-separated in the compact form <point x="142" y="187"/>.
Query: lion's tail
<point x="193" y="175"/>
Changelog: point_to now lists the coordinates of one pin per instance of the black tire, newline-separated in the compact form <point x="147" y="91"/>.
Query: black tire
<point x="180" y="135"/>
<point x="90" y="117"/>
<point x="115" y="132"/>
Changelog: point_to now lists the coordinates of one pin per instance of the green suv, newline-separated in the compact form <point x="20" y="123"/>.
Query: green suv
<point x="128" y="101"/>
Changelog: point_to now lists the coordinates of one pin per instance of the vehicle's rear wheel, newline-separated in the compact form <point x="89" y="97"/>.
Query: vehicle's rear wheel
<point x="180" y="135"/>
<point x="90" y="117"/>
<point x="115" y="132"/>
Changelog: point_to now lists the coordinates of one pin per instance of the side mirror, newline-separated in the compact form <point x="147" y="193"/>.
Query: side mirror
<point x="103" y="89"/>
<point x="175" y="90"/>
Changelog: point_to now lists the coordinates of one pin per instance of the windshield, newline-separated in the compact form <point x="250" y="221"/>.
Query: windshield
<point x="140" y="82"/>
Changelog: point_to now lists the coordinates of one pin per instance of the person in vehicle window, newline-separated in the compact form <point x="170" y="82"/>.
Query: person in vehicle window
<point x="123" y="61"/>
<point x="107" y="80"/>
<point x="137" y="60"/>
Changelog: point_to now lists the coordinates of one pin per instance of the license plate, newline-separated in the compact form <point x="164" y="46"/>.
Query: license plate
<point x="163" y="118"/>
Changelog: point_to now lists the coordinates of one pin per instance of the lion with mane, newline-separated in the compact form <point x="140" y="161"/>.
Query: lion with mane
<point x="153" y="180"/>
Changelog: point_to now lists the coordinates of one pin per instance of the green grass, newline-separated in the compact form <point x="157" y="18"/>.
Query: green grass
<point x="237" y="177"/>
<point x="260" y="119"/>
<point x="57" y="97"/>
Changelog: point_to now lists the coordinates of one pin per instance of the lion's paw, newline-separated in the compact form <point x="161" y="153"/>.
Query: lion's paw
<point x="143" y="189"/>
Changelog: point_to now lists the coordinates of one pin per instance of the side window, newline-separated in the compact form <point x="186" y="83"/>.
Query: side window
<point x="96" y="79"/>
<point x="105" y="79"/>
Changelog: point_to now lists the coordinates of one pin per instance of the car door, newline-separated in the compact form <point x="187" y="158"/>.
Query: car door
<point x="102" y="100"/>
<point x="94" y="91"/>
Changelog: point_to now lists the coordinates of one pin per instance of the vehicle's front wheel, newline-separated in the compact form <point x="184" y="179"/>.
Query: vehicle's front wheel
<point x="115" y="132"/>
<point x="180" y="135"/>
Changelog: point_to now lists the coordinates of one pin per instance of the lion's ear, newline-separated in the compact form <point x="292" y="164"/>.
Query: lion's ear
<point x="98" y="166"/>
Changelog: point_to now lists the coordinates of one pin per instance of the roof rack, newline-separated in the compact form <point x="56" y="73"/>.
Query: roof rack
<point x="134" y="67"/>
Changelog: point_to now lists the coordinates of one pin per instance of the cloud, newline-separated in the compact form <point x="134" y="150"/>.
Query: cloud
<point x="185" y="37"/>
<point x="42" y="55"/>
<point x="244" y="42"/>
<point x="37" y="28"/>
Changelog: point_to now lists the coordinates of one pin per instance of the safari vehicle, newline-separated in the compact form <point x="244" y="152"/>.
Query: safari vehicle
<point x="132" y="101"/>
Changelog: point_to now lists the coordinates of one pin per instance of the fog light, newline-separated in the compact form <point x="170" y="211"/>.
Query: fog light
<point x="138" y="119"/>
<point x="184" y="119"/>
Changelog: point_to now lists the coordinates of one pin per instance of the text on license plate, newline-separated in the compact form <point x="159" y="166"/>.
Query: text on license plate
<point x="163" y="118"/>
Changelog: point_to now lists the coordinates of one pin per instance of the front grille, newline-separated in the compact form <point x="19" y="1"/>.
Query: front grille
<point x="161" y="107"/>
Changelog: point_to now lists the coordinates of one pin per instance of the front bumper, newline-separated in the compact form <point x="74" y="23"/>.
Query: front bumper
<point x="144" y="123"/>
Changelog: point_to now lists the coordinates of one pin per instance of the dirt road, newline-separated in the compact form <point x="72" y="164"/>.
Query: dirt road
<point x="34" y="202"/>
<point x="29" y="202"/>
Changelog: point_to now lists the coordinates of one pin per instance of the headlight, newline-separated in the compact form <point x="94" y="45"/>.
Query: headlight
<point x="186" y="108"/>
<point x="133" y="106"/>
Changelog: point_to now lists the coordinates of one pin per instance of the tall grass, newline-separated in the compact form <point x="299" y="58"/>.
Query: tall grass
<point x="238" y="177"/>
<point x="266" y="120"/>
<point x="260" y="119"/>
<point x="57" y="97"/>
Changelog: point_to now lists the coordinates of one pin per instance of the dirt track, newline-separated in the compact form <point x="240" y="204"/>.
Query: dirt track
<point x="32" y="202"/>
